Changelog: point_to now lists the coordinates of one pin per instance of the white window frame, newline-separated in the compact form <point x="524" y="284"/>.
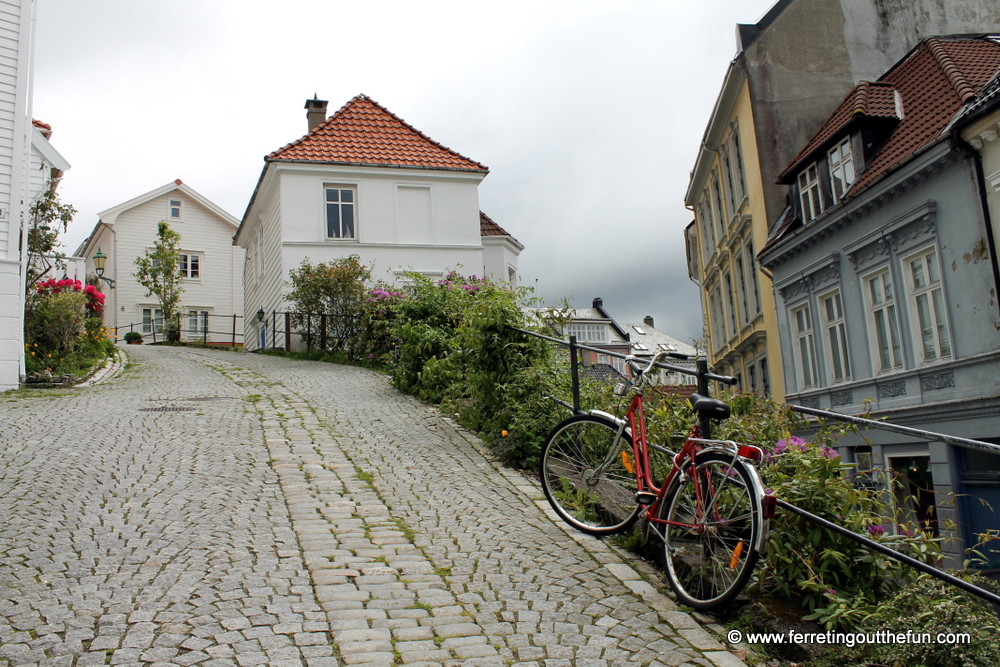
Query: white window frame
<point x="175" y="209"/>
<point x="736" y="159"/>
<point x="196" y="325"/>
<point x="838" y="357"/>
<point x="840" y="159"/>
<point x="741" y="287"/>
<point x="927" y="308"/>
<point x="800" y="320"/>
<point x="750" y="263"/>
<point x="338" y="227"/>
<point x="733" y="320"/>
<point x="716" y="190"/>
<point x="884" y="334"/>
<point x="186" y="262"/>
<point x="588" y="333"/>
<point x="809" y="193"/>
<point x="148" y="316"/>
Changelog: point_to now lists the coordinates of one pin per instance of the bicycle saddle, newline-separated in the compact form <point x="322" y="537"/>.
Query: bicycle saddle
<point x="709" y="408"/>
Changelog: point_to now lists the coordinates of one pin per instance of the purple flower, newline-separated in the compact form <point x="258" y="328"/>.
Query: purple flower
<point x="830" y="453"/>
<point x="876" y="531"/>
<point x="905" y="533"/>
<point x="831" y="591"/>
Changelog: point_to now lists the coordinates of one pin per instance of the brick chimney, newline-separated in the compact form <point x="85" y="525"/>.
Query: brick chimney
<point x="315" y="111"/>
<point x="649" y="321"/>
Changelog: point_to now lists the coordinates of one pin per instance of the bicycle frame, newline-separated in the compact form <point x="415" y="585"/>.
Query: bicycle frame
<point x="682" y="463"/>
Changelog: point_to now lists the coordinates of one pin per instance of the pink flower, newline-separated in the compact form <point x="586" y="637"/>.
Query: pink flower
<point x="876" y="531"/>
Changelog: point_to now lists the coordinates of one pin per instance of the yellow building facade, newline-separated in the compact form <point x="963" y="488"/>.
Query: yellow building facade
<point x="730" y="226"/>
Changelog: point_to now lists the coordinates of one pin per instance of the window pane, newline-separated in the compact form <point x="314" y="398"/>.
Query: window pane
<point x="333" y="195"/>
<point x="926" y="327"/>
<point x="897" y="358"/>
<point x="347" y="210"/>
<point x="932" y="268"/>
<point x="195" y="266"/>
<point x="917" y="269"/>
<point x="881" y="334"/>
<point x="944" y="339"/>
<point x="347" y="195"/>
<point x="333" y="221"/>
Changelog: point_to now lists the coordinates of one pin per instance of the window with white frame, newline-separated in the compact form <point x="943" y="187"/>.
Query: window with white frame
<point x="736" y="159"/>
<point x="715" y="319"/>
<point x="883" y="324"/>
<point x="152" y="320"/>
<point x="175" y="210"/>
<point x="588" y="333"/>
<point x="720" y="212"/>
<point x="741" y="288"/>
<point x="805" y="352"/>
<point x="190" y="265"/>
<point x="835" y="335"/>
<point x="809" y="195"/>
<point x="602" y="359"/>
<point x="707" y="226"/>
<point x="841" y="168"/>
<point x="927" y="307"/>
<point x="751" y="267"/>
<point x="727" y="166"/>
<point x="197" y="323"/>
<point x="731" y="300"/>
<point x="340" y="213"/>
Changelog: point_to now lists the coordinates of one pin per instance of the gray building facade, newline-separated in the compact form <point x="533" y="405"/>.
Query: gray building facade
<point x="885" y="291"/>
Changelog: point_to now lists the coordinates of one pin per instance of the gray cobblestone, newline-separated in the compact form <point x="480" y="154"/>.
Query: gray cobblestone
<point x="241" y="533"/>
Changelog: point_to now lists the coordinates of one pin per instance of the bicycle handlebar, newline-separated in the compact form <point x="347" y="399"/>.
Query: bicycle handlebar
<point x="638" y="370"/>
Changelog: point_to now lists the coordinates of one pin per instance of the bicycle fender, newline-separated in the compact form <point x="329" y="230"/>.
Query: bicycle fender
<point x="611" y="418"/>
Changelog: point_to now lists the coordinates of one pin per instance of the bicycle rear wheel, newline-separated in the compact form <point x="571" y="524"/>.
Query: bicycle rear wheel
<point x="716" y="518"/>
<point x="588" y="475"/>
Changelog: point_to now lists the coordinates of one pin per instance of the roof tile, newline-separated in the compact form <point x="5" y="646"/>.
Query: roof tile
<point x="363" y="132"/>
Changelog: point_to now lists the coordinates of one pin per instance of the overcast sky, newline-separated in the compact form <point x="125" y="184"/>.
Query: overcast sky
<point x="588" y="114"/>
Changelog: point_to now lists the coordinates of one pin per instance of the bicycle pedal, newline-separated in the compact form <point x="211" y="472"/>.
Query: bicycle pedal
<point x="645" y="498"/>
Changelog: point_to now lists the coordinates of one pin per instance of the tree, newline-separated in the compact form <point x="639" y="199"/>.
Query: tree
<point x="338" y="289"/>
<point x="46" y="216"/>
<point x="159" y="272"/>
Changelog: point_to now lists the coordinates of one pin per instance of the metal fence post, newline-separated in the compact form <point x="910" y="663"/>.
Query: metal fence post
<point x="322" y="332"/>
<point x="234" y="331"/>
<point x="204" y="340"/>
<point x="288" y="332"/>
<point x="574" y="374"/>
<point x="309" y="342"/>
<point x="274" y="329"/>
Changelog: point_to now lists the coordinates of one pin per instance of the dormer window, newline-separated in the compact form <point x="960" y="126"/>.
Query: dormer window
<point x="812" y="202"/>
<point x="841" y="168"/>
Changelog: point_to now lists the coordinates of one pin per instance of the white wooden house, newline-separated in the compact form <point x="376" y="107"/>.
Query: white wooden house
<point x="211" y="265"/>
<point x="365" y="182"/>
<point x="27" y="160"/>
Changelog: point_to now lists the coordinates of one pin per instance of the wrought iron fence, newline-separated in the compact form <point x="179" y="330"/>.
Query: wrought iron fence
<point x="208" y="329"/>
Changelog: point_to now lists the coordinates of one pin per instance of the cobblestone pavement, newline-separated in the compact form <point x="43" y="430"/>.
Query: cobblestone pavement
<point x="215" y="508"/>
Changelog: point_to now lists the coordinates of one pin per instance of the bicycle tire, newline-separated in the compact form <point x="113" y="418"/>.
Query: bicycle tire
<point x="709" y="560"/>
<point x="601" y="504"/>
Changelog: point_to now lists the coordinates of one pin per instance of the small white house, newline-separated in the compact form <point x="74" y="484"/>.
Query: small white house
<point x="212" y="267"/>
<point x="364" y="182"/>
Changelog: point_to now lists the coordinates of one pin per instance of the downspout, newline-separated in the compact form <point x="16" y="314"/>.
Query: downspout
<point x="991" y="245"/>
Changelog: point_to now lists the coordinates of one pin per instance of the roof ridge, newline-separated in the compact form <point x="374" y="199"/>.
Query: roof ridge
<point x="955" y="75"/>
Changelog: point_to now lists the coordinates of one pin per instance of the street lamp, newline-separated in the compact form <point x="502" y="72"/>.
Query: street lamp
<point x="100" y="259"/>
<point x="260" y="315"/>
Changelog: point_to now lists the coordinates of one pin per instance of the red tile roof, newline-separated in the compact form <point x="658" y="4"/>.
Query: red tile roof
<point x="933" y="82"/>
<point x="866" y="100"/>
<point x="363" y="132"/>
<point x="489" y="228"/>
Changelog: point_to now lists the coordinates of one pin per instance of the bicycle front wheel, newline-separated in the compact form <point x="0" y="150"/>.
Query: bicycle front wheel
<point x="588" y="475"/>
<point x="714" y="514"/>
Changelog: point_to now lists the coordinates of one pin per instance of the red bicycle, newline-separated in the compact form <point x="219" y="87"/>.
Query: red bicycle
<point x="708" y="514"/>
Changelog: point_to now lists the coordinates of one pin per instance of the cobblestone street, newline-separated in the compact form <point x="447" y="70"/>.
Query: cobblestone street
<point x="213" y="508"/>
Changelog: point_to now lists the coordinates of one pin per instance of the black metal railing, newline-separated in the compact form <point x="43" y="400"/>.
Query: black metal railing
<point x="209" y="329"/>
